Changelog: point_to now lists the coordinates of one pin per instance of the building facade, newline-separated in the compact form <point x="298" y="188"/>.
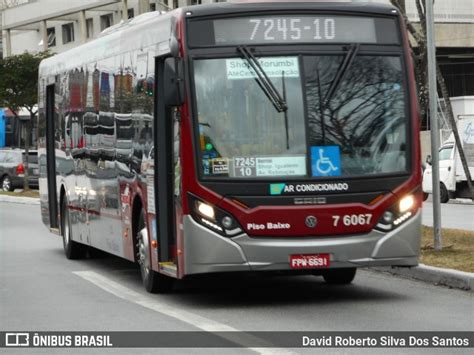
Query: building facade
<point x="58" y="25"/>
<point x="454" y="35"/>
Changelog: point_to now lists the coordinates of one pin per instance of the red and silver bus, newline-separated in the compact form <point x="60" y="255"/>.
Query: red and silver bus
<point x="257" y="136"/>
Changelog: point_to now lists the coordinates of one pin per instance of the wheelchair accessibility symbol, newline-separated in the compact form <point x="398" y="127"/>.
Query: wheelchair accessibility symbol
<point x="325" y="161"/>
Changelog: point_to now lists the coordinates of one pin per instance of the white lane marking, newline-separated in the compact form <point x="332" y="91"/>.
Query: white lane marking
<point x="157" y="305"/>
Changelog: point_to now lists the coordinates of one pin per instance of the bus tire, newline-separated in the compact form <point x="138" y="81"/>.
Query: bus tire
<point x="443" y="193"/>
<point x="72" y="249"/>
<point x="153" y="281"/>
<point x="339" y="276"/>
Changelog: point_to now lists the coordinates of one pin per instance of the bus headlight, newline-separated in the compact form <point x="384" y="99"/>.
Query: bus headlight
<point x="406" y="203"/>
<point x="214" y="218"/>
<point x="398" y="213"/>
<point x="205" y="210"/>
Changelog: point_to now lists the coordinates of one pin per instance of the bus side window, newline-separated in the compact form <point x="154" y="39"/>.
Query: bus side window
<point x="146" y="137"/>
<point x="143" y="134"/>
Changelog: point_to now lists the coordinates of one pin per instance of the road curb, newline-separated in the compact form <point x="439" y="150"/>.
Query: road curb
<point x="454" y="201"/>
<point x="461" y="202"/>
<point x="20" y="200"/>
<point x="438" y="276"/>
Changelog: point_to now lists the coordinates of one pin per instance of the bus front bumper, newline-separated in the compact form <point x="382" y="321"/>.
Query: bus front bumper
<point x="208" y="252"/>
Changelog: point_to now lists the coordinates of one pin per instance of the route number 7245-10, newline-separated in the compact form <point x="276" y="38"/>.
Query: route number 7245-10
<point x="352" y="219"/>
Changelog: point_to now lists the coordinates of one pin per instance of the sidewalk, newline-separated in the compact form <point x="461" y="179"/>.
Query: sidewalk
<point x="461" y="201"/>
<point x="456" y="201"/>
<point x="435" y="275"/>
<point x="20" y="200"/>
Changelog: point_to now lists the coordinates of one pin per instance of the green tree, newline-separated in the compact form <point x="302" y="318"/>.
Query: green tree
<point x="19" y="89"/>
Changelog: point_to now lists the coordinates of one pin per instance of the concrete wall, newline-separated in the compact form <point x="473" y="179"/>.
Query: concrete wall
<point x="454" y="21"/>
<point x="451" y="11"/>
<point x="454" y="34"/>
<point x="25" y="41"/>
<point x="41" y="8"/>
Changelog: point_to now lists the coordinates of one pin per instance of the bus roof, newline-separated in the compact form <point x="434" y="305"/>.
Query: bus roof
<point x="142" y="31"/>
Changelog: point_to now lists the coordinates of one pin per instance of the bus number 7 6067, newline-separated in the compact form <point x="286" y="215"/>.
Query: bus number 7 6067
<point x="352" y="219"/>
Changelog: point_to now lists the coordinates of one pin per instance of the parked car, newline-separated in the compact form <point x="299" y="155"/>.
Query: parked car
<point x="12" y="169"/>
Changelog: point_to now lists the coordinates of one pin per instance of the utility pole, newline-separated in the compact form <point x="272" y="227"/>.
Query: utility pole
<point x="434" y="122"/>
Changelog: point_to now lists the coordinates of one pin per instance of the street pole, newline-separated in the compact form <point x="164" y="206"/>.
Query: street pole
<point x="430" y="43"/>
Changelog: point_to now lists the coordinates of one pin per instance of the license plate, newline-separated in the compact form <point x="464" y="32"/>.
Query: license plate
<point x="309" y="261"/>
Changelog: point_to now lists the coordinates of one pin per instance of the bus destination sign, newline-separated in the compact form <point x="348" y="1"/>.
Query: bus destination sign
<point x="293" y="29"/>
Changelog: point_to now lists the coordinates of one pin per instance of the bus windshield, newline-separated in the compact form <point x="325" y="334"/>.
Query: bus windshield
<point x="342" y="120"/>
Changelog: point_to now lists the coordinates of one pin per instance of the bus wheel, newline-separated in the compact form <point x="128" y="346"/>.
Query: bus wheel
<point x="443" y="193"/>
<point x="153" y="281"/>
<point x="339" y="276"/>
<point x="72" y="249"/>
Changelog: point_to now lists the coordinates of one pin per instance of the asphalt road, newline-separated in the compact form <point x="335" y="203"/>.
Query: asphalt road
<point x="41" y="290"/>
<point x="453" y="215"/>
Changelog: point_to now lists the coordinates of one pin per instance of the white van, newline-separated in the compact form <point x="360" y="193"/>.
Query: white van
<point x="453" y="181"/>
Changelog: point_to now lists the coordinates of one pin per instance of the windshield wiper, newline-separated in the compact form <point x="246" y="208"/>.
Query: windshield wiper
<point x="264" y="81"/>
<point x="283" y="86"/>
<point x="341" y="72"/>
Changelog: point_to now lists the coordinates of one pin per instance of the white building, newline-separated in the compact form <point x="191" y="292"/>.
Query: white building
<point x="57" y="25"/>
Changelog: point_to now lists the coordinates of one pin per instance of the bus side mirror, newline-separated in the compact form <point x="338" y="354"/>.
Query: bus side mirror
<point x="173" y="81"/>
<point x="428" y="159"/>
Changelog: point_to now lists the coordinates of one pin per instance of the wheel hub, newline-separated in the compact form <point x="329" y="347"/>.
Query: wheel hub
<point x="142" y="251"/>
<point x="66" y="230"/>
<point x="6" y="184"/>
